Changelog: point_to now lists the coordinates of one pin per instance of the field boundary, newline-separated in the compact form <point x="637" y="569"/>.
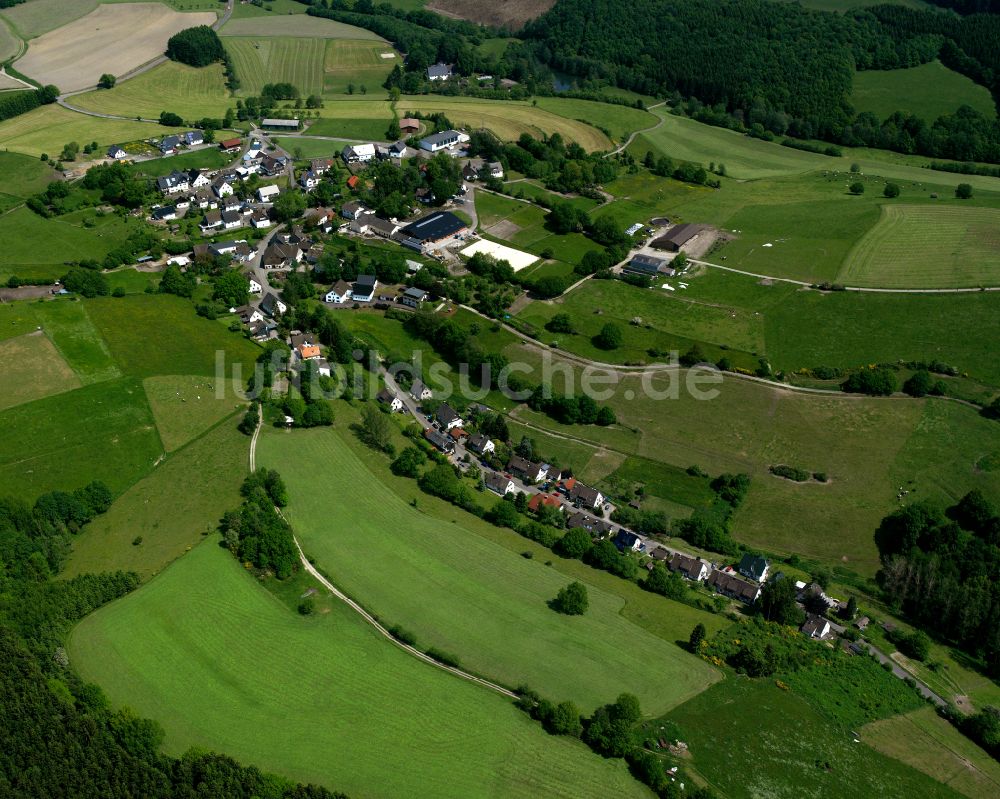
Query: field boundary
<point x="457" y="672"/>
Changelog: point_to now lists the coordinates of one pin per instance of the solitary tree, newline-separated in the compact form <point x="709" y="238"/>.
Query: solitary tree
<point x="571" y="600"/>
<point x="107" y="81"/>
<point x="857" y="188"/>
<point x="697" y="636"/>
<point x="610" y="337"/>
<point x="963" y="191"/>
<point x="891" y="190"/>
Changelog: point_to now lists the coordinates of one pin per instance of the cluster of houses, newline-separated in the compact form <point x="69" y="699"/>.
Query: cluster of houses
<point x="451" y="141"/>
<point x="168" y="145"/>
<point x="420" y="235"/>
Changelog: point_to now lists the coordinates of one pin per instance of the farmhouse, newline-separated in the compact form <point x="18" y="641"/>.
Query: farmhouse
<point x="363" y="289"/>
<point x="412" y="297"/>
<point x="438" y="71"/>
<point x="116" y="152"/>
<point x="499" y="484"/>
<point x="419" y="391"/>
<point x="647" y="265"/>
<point x="443" y="140"/>
<point x="677" y="237"/>
<point x="733" y="586"/>
<point x="754" y="567"/>
<point x="447" y="417"/>
<point x="433" y="228"/>
<point x="386" y="397"/>
<point x="230" y="145"/>
<point x="340" y="292"/>
<point x="358" y="153"/>
<point x="439" y="440"/>
<point x="690" y="568"/>
<point x="480" y="444"/>
<point x="280" y="124"/>
<point x="527" y="470"/>
<point x="268" y="193"/>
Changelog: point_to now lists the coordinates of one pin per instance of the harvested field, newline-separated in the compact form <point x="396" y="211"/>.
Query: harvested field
<point x="510" y="14"/>
<point x="7" y="83"/>
<point x="112" y="38"/>
<point x="9" y="45"/>
<point x="32" y="369"/>
<point x="298" y="25"/>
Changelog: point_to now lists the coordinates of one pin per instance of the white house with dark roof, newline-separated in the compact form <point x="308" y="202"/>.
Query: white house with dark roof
<point x="419" y="391"/>
<point x="447" y="417"/>
<point x="358" y="153"/>
<point x="439" y="71"/>
<point x="394" y="403"/>
<point x="339" y="292"/>
<point x="363" y="289"/>
<point x="115" y="151"/>
<point x="754" y="566"/>
<point x="480" y="444"/>
<point x="443" y="140"/>
<point x="499" y="484"/>
<point x="175" y="182"/>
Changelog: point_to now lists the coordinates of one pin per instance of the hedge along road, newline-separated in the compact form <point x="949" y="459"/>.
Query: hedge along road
<point x="364" y="613"/>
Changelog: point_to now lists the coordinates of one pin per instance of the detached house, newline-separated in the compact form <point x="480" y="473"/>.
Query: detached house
<point x="231" y="220"/>
<point x="266" y="194"/>
<point x="321" y="165"/>
<point x="499" y="484"/>
<point x="439" y="71"/>
<point x="358" y="153"/>
<point x="583" y="496"/>
<point x="419" y="391"/>
<point x="340" y="292"/>
<point x="211" y="221"/>
<point x="527" y="470"/>
<point x="223" y="186"/>
<point x="412" y="297"/>
<point x="353" y="210"/>
<point x="169" y="144"/>
<point x="443" y="140"/>
<point x="193" y="138"/>
<point x="481" y="445"/>
<point x="272" y="306"/>
<point x="754" y="567"/>
<point x="442" y="442"/>
<point x="446" y="417"/>
<point x="627" y="542"/>
<point x="116" y="152"/>
<point x="363" y="289"/>
<point x="815" y="627"/>
<point x="281" y="256"/>
<point x="690" y="568"/>
<point x="386" y="397"/>
<point x="309" y="180"/>
<point x="175" y="182"/>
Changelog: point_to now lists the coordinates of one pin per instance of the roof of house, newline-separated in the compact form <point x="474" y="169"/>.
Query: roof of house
<point x="434" y="227"/>
<point x="587" y="523"/>
<point x="731" y="584"/>
<point x="686" y="564"/>
<point x="815" y="626"/>
<point x="387" y="227"/>
<point x="231" y="216"/>
<point x="352" y="206"/>
<point x="353" y="181"/>
<point x="678" y="235"/>
<point x="585" y="493"/>
<point x="497" y="482"/>
<point x="627" y="539"/>
<point x="409" y="122"/>
<point x="367" y="280"/>
<point x="523" y="465"/>
<point x="212" y="218"/>
<point x="385" y="396"/>
<point x="477" y="443"/>
<point x="341" y="287"/>
<point x="360" y="150"/>
<point x="438" y="440"/>
<point x="415" y="293"/>
<point x="308" y="351"/>
<point x="228" y="144"/>
<point x="164" y="211"/>
<point x="443" y="137"/>
<point x="169" y="142"/>
<point x="438" y="70"/>
<point x="753" y="566"/>
<point x="445" y="414"/>
<point x="660" y="554"/>
<point x="269" y="304"/>
<point x="418" y="388"/>
<point x="363" y="289"/>
<point x="544" y="500"/>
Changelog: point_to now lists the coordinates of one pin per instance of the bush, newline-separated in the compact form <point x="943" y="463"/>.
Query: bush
<point x="446" y="658"/>
<point x="196" y="47"/>
<point x="963" y="191"/>
<point x="571" y="600"/>
<point x="403" y="635"/>
<point x="610" y="337"/>
<point x="879" y="382"/>
<point x="790" y="473"/>
<point x="857" y="188"/>
<point x="891" y="190"/>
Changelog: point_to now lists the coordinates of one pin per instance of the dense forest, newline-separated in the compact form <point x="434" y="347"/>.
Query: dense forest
<point x="60" y="736"/>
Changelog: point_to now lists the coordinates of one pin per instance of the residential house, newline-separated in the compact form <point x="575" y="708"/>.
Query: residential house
<point x="211" y="221"/>
<point x="733" y="586"/>
<point x="230" y="203"/>
<point x="116" y="152"/>
<point x="754" y="566"/>
<point x="230" y="145"/>
<point x="236" y="250"/>
<point x="358" y="153"/>
<point x="175" y="182"/>
<point x="499" y="484"/>
<point x="495" y="169"/>
<point x="271" y="166"/>
<point x="255" y="286"/>
<point x="444" y="140"/>
<point x="386" y="397"/>
<point x="627" y="541"/>
<point x="384" y="228"/>
<point x="306" y="345"/>
<point x="447" y="417"/>
<point x="223" y="185"/>
<point x="439" y="71"/>
<point x="815" y="627"/>
<point x="266" y="194"/>
<point x="660" y="554"/>
<point x="481" y="445"/>
<point x="419" y="391"/>
<point x="231" y="220"/>
<point x="340" y="292"/>
<point x="398" y="150"/>
<point x="589" y="523"/>
<point x="690" y="568"/>
<point x="272" y="306"/>
<point x="442" y="442"/>
<point x="321" y="218"/>
<point x="204" y="198"/>
<point x="183" y="203"/>
<point x="281" y="256"/>
<point x="309" y="180"/>
<point x="409" y="125"/>
<point x="352" y="209"/>
<point x="585" y="496"/>
<point x="249" y="315"/>
<point x="527" y="470"/>
<point x="199" y="178"/>
<point x="169" y="144"/>
<point x="193" y="138"/>
<point x="320" y="166"/>
<point x="539" y="501"/>
<point x="412" y="297"/>
<point x="164" y="213"/>
<point x="363" y="289"/>
<point x="260" y="220"/>
<point x="263" y="330"/>
<point x="862" y="623"/>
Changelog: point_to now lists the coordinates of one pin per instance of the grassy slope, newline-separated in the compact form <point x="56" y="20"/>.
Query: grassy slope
<point x="171" y="508"/>
<point x="359" y="62"/>
<point x="222" y="664"/>
<point x="68" y="324"/>
<point x="185" y="406"/>
<point x="930" y="91"/>
<point x="32" y="369"/>
<point x="297" y="25"/>
<point x="22" y="175"/>
<point x="288" y="59"/>
<point x="463" y="594"/>
<point x="751" y="739"/>
<point x="620" y="120"/>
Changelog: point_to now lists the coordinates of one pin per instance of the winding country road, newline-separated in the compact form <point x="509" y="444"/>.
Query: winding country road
<point x="631" y="136"/>
<point x="457" y="672"/>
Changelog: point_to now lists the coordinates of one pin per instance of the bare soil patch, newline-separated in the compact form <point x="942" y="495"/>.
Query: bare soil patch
<point x="510" y="14"/>
<point x="112" y="38"/>
<point x="503" y="230"/>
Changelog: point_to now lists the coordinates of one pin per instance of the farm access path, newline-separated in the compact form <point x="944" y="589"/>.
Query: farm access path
<point x="412" y="650"/>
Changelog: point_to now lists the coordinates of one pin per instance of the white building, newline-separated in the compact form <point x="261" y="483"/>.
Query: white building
<point x="268" y="193"/>
<point x="358" y="153"/>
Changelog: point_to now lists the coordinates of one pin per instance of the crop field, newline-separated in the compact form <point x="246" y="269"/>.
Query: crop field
<point x="192" y="93"/>
<point x="46" y="447"/>
<point x="47" y="129"/>
<point x="298" y="61"/>
<point x="298" y="26"/>
<point x="41" y="16"/>
<point x="9" y="45"/>
<point x="68" y="325"/>
<point x="273" y="10"/>
<point x="172" y="508"/>
<point x="192" y="348"/>
<point x="918" y="246"/>
<point x="930" y="91"/>
<point x="185" y="407"/>
<point x="357" y="62"/>
<point x="32" y="369"/>
<point x="928" y="743"/>
<point x="223" y="665"/>
<point x="39" y="248"/>
<point x="750" y="739"/>
<point x="112" y="38"/>
<point x="472" y="598"/>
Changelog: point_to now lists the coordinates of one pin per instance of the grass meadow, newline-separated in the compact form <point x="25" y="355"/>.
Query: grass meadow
<point x="618" y="120"/>
<point x="917" y="246"/>
<point x="185" y="406"/>
<point x="32" y="369"/>
<point x="310" y="148"/>
<point x="930" y="91"/>
<point x="68" y="325"/>
<point x="273" y="59"/>
<point x="749" y="739"/>
<point x="299" y="26"/>
<point x="522" y="225"/>
<point x="218" y="661"/>
<point x="357" y="62"/>
<point x="23" y="176"/>
<point x="928" y="743"/>
<point x="172" y="508"/>
<point x="352" y="129"/>
<point x="10" y="44"/>
<point x="463" y="594"/>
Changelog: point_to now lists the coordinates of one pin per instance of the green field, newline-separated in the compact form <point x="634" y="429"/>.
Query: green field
<point x="918" y="246"/>
<point x="36" y="17"/>
<point x="930" y="91"/>
<point x="223" y="665"/>
<point x="463" y="594"/>
<point x="750" y="739"/>
<point x="522" y="224"/>
<point x="357" y="62"/>
<point x="171" y="508"/>
<point x="206" y="158"/>
<point x="99" y="432"/>
<point x="311" y="148"/>
<point x="350" y="129"/>
<point x="184" y="407"/>
<point x="32" y="369"/>
<point x="21" y="176"/>
<point x="68" y="324"/>
<point x="49" y="128"/>
<point x="298" y="26"/>
<point x="192" y="93"/>
<point x="619" y="120"/>
<point x="273" y="59"/>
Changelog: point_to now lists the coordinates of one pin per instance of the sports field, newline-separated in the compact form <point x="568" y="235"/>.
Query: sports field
<point x="930" y="91"/>
<point x="223" y="665"/>
<point x="49" y="128"/>
<point x="112" y="38"/>
<point x="918" y="246"/>
<point x="172" y="508"/>
<point x="32" y="369"/>
<point x="928" y="743"/>
<point x="463" y="594"/>
<point x="192" y="93"/>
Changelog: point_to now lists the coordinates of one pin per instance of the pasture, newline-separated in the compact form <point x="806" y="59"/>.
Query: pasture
<point x="308" y="147"/>
<point x="172" y="508"/>
<point x="928" y="743"/>
<point x="920" y="246"/>
<point x="358" y="63"/>
<point x="464" y="594"/>
<point x="112" y="38"/>
<point x="523" y="225"/>
<point x="929" y="91"/>
<point x="68" y="325"/>
<point x="22" y="176"/>
<point x="49" y="128"/>
<point x="272" y="59"/>
<point x="618" y="120"/>
<point x="348" y="128"/>
<point x="186" y="406"/>
<point x="750" y="739"/>
<point x="297" y="26"/>
<point x="223" y="665"/>
<point x="32" y="369"/>
<point x="192" y="93"/>
<point x="103" y="432"/>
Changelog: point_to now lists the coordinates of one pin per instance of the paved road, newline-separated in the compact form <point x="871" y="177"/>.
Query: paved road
<point x="903" y="674"/>
<point x="632" y="135"/>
